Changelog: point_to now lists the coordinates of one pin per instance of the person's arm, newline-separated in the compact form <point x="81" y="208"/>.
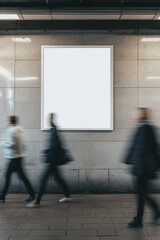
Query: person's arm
<point x="140" y="155"/>
<point x="53" y="142"/>
<point x="139" y="145"/>
<point x="155" y="148"/>
<point x="128" y="156"/>
<point x="141" y="148"/>
<point x="127" y="159"/>
<point x="11" y="142"/>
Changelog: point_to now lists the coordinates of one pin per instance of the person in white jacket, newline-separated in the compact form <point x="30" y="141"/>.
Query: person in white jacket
<point x="14" y="146"/>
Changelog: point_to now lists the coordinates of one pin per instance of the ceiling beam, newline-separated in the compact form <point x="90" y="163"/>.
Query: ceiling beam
<point x="78" y="25"/>
<point x="80" y="3"/>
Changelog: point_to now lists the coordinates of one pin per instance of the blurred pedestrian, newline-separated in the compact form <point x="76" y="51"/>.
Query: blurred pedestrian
<point x="54" y="156"/>
<point x="144" y="156"/>
<point x="14" y="146"/>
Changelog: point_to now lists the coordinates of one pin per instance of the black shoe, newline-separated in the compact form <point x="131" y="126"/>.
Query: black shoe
<point x="30" y="199"/>
<point x="135" y="223"/>
<point x="2" y="198"/>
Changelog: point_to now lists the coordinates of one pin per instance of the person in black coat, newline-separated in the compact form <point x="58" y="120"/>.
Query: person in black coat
<point x="143" y="155"/>
<point x="52" y="156"/>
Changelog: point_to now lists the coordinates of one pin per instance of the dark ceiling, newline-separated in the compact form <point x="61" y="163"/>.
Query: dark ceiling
<point x="80" y="3"/>
<point x="60" y="5"/>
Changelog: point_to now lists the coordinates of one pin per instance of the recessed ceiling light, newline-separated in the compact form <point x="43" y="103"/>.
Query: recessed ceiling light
<point x="158" y="18"/>
<point x="26" y="78"/>
<point x="9" y="17"/>
<point x="26" y="40"/>
<point x="153" y="78"/>
<point x="153" y="39"/>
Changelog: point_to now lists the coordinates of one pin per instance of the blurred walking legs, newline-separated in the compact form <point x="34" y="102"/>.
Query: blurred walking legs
<point x="15" y="165"/>
<point x="52" y="169"/>
<point x="142" y="184"/>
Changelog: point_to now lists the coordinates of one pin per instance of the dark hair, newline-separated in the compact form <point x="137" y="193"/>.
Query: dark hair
<point x="13" y="119"/>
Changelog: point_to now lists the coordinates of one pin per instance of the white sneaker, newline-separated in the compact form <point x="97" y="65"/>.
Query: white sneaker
<point x="65" y="199"/>
<point x="33" y="204"/>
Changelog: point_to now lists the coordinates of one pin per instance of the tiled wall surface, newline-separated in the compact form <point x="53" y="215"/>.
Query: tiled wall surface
<point x="98" y="165"/>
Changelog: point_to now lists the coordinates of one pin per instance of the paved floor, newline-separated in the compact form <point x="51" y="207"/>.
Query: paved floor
<point x="88" y="217"/>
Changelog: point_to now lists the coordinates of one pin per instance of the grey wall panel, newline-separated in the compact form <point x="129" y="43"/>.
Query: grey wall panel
<point x="93" y="181"/>
<point x="36" y="135"/>
<point x="28" y="76"/>
<point x="117" y="135"/>
<point x="31" y="49"/>
<point x="66" y="39"/>
<point x="96" y="155"/>
<point x="149" y="73"/>
<point x="27" y="106"/>
<point x="125" y="76"/>
<point x="7" y="47"/>
<point x="149" y="47"/>
<point x="125" y="105"/>
<point x="120" y="181"/>
<point x="6" y="105"/>
<point x="7" y="73"/>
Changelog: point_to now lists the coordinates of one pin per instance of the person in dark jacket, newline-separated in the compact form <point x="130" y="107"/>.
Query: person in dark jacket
<point x="143" y="155"/>
<point x="52" y="155"/>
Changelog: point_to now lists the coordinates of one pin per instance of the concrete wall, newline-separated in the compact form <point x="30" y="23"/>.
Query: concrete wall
<point x="98" y="155"/>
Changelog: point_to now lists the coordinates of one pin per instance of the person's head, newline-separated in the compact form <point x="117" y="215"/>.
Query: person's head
<point x="13" y="120"/>
<point x="51" y="118"/>
<point x="142" y="114"/>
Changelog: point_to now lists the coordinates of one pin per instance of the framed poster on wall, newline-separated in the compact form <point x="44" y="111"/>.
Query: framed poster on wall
<point x="77" y="85"/>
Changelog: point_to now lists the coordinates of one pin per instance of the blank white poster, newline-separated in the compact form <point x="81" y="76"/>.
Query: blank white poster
<point x="77" y="85"/>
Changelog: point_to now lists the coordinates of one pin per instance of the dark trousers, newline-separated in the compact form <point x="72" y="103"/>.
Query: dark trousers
<point x="142" y="184"/>
<point x="15" y="165"/>
<point x="52" y="169"/>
